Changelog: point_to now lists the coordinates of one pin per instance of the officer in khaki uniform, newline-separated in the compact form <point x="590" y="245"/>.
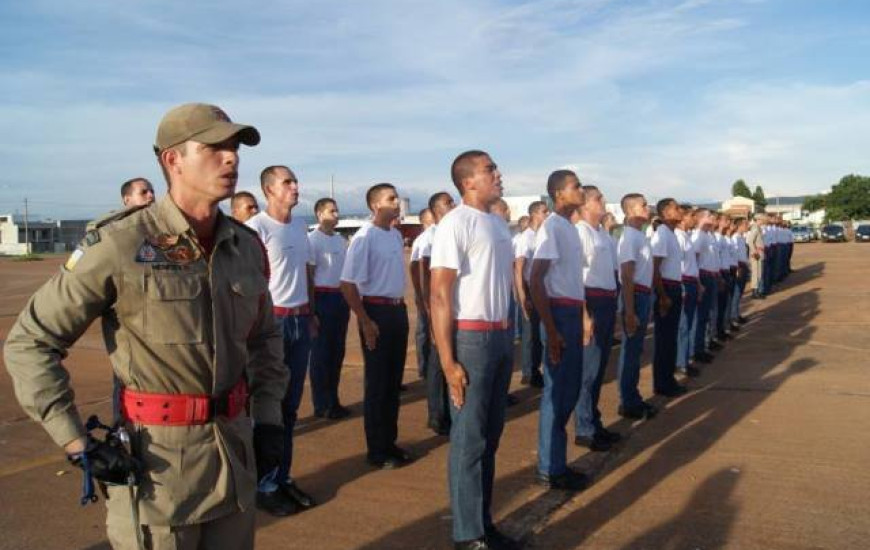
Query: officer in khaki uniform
<point x="187" y="319"/>
<point x="755" y="241"/>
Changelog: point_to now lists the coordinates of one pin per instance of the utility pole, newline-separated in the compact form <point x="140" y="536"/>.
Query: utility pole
<point x="332" y="186"/>
<point x="26" y="230"/>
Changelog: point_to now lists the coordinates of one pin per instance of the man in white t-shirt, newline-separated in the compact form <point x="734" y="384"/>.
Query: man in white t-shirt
<point x="708" y="277"/>
<point x="243" y="206"/>
<point x="667" y="282"/>
<point x="636" y="274"/>
<point x="373" y="283"/>
<point x="723" y="297"/>
<point x="470" y="300"/>
<point x="328" y="249"/>
<point x="422" y="334"/>
<point x="559" y="298"/>
<point x="742" y="250"/>
<point x="691" y="295"/>
<point x="524" y="248"/>
<point x="292" y="288"/>
<point x="599" y="281"/>
<point x="437" y="397"/>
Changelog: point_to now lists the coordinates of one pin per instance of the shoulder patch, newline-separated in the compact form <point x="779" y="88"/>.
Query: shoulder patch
<point x="106" y="219"/>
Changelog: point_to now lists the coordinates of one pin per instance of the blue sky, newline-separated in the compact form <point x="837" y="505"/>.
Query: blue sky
<point x="668" y="97"/>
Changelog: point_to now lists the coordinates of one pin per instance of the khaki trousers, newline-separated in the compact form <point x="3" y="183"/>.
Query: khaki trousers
<point x="757" y="267"/>
<point x="233" y="532"/>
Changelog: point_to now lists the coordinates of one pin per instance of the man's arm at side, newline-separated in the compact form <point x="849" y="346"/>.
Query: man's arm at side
<point x="443" y="281"/>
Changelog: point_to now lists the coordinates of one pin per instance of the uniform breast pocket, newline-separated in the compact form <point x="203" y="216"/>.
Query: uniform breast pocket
<point x="247" y="293"/>
<point x="175" y="309"/>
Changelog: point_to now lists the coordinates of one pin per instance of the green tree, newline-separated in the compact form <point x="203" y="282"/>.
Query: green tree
<point x="849" y="199"/>
<point x="758" y="197"/>
<point x="812" y="203"/>
<point x="740" y="189"/>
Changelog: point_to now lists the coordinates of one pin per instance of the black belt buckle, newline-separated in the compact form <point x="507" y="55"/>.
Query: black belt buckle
<point x="218" y="406"/>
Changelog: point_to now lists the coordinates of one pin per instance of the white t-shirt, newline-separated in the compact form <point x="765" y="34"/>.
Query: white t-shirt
<point x="524" y="248"/>
<point x="600" y="265"/>
<point x="375" y="262"/>
<point x="708" y="256"/>
<point x="478" y="246"/>
<point x="742" y="249"/>
<point x="722" y="249"/>
<point x="328" y="252"/>
<point x="289" y="256"/>
<point x="557" y="240"/>
<point x="689" y="261"/>
<point x="422" y="245"/>
<point x="665" y="245"/>
<point x="634" y="247"/>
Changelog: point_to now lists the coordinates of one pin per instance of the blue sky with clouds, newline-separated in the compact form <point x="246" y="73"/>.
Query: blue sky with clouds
<point x="669" y="97"/>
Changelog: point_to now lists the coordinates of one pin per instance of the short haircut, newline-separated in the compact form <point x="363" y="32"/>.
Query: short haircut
<point x="433" y="200"/>
<point x="535" y="206"/>
<point x="241" y="195"/>
<point x="556" y="181"/>
<point x="629" y="199"/>
<point x="463" y="167"/>
<point x="323" y="203"/>
<point x="375" y="192"/>
<point x="587" y="189"/>
<point x="701" y="210"/>
<point x="686" y="207"/>
<point x="423" y="212"/>
<point x="523" y="219"/>
<point x="268" y="172"/>
<point x="127" y="186"/>
<point x="662" y="204"/>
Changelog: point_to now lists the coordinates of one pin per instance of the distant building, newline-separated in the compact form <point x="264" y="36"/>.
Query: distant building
<point x="739" y="207"/>
<point x="40" y="236"/>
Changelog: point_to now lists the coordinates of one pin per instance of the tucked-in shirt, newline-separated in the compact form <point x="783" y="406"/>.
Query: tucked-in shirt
<point x="422" y="245"/>
<point x="708" y="255"/>
<point x="634" y="247"/>
<point x="689" y="260"/>
<point x="666" y="246"/>
<point x="557" y="240"/>
<point x="375" y="262"/>
<point x="477" y="245"/>
<point x="289" y="255"/>
<point x="328" y="252"/>
<point x="600" y="265"/>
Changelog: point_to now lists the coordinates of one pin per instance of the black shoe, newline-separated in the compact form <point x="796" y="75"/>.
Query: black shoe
<point x="276" y="504"/>
<point x="401" y="455"/>
<point x="512" y="400"/>
<point x="440" y="428"/>
<point x="675" y="391"/>
<point x="498" y="540"/>
<point x="593" y="443"/>
<point x="607" y="435"/>
<point x="649" y="410"/>
<point x="703" y="357"/>
<point x="569" y="480"/>
<point x="735" y="327"/>
<point x="525" y="380"/>
<point x="537" y="380"/>
<point x="716" y="346"/>
<point x="632" y="413"/>
<point x="321" y="413"/>
<point x="693" y="372"/>
<point x="385" y="462"/>
<point x="476" y="544"/>
<point x="403" y="388"/>
<point x="337" y="412"/>
<point x="297" y="495"/>
<point x="723" y="336"/>
<point x="742" y="320"/>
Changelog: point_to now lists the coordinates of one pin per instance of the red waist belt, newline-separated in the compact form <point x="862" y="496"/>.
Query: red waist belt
<point x="689" y="279"/>
<point x="481" y="326"/>
<point x="571" y="302"/>
<point x="671" y="283"/>
<point x="708" y="273"/>
<point x="327" y="290"/>
<point x="158" y="409"/>
<point x="383" y="300"/>
<point x="600" y="293"/>
<point x="643" y="289"/>
<point x="280" y="311"/>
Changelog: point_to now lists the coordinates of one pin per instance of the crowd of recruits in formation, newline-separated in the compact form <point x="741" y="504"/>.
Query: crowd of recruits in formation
<point x="563" y="276"/>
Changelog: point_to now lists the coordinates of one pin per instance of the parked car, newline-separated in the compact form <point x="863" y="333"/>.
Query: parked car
<point x="833" y="234"/>
<point x="801" y="234"/>
<point x="862" y="234"/>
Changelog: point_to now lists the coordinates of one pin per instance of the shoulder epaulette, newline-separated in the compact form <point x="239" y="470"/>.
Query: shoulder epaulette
<point x="114" y="216"/>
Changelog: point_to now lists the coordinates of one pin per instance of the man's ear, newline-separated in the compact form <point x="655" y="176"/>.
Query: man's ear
<point x="171" y="160"/>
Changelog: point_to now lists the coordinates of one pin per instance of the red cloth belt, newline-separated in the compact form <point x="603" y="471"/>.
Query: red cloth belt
<point x="672" y="283"/>
<point x="689" y="279"/>
<point x="327" y="289"/>
<point x="158" y="409"/>
<point x="383" y="300"/>
<point x="280" y="311"/>
<point x="600" y="293"/>
<point x="643" y="289"/>
<point x="572" y="302"/>
<point x="481" y="326"/>
<point x="708" y="273"/>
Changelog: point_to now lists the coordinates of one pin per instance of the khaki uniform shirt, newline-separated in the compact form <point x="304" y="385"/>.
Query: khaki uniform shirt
<point x="755" y="241"/>
<point x="174" y="321"/>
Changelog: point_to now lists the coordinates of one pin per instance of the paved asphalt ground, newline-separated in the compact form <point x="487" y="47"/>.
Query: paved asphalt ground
<point x="770" y="449"/>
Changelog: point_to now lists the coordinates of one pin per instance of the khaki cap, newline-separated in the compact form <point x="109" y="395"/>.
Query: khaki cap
<point x="203" y="123"/>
